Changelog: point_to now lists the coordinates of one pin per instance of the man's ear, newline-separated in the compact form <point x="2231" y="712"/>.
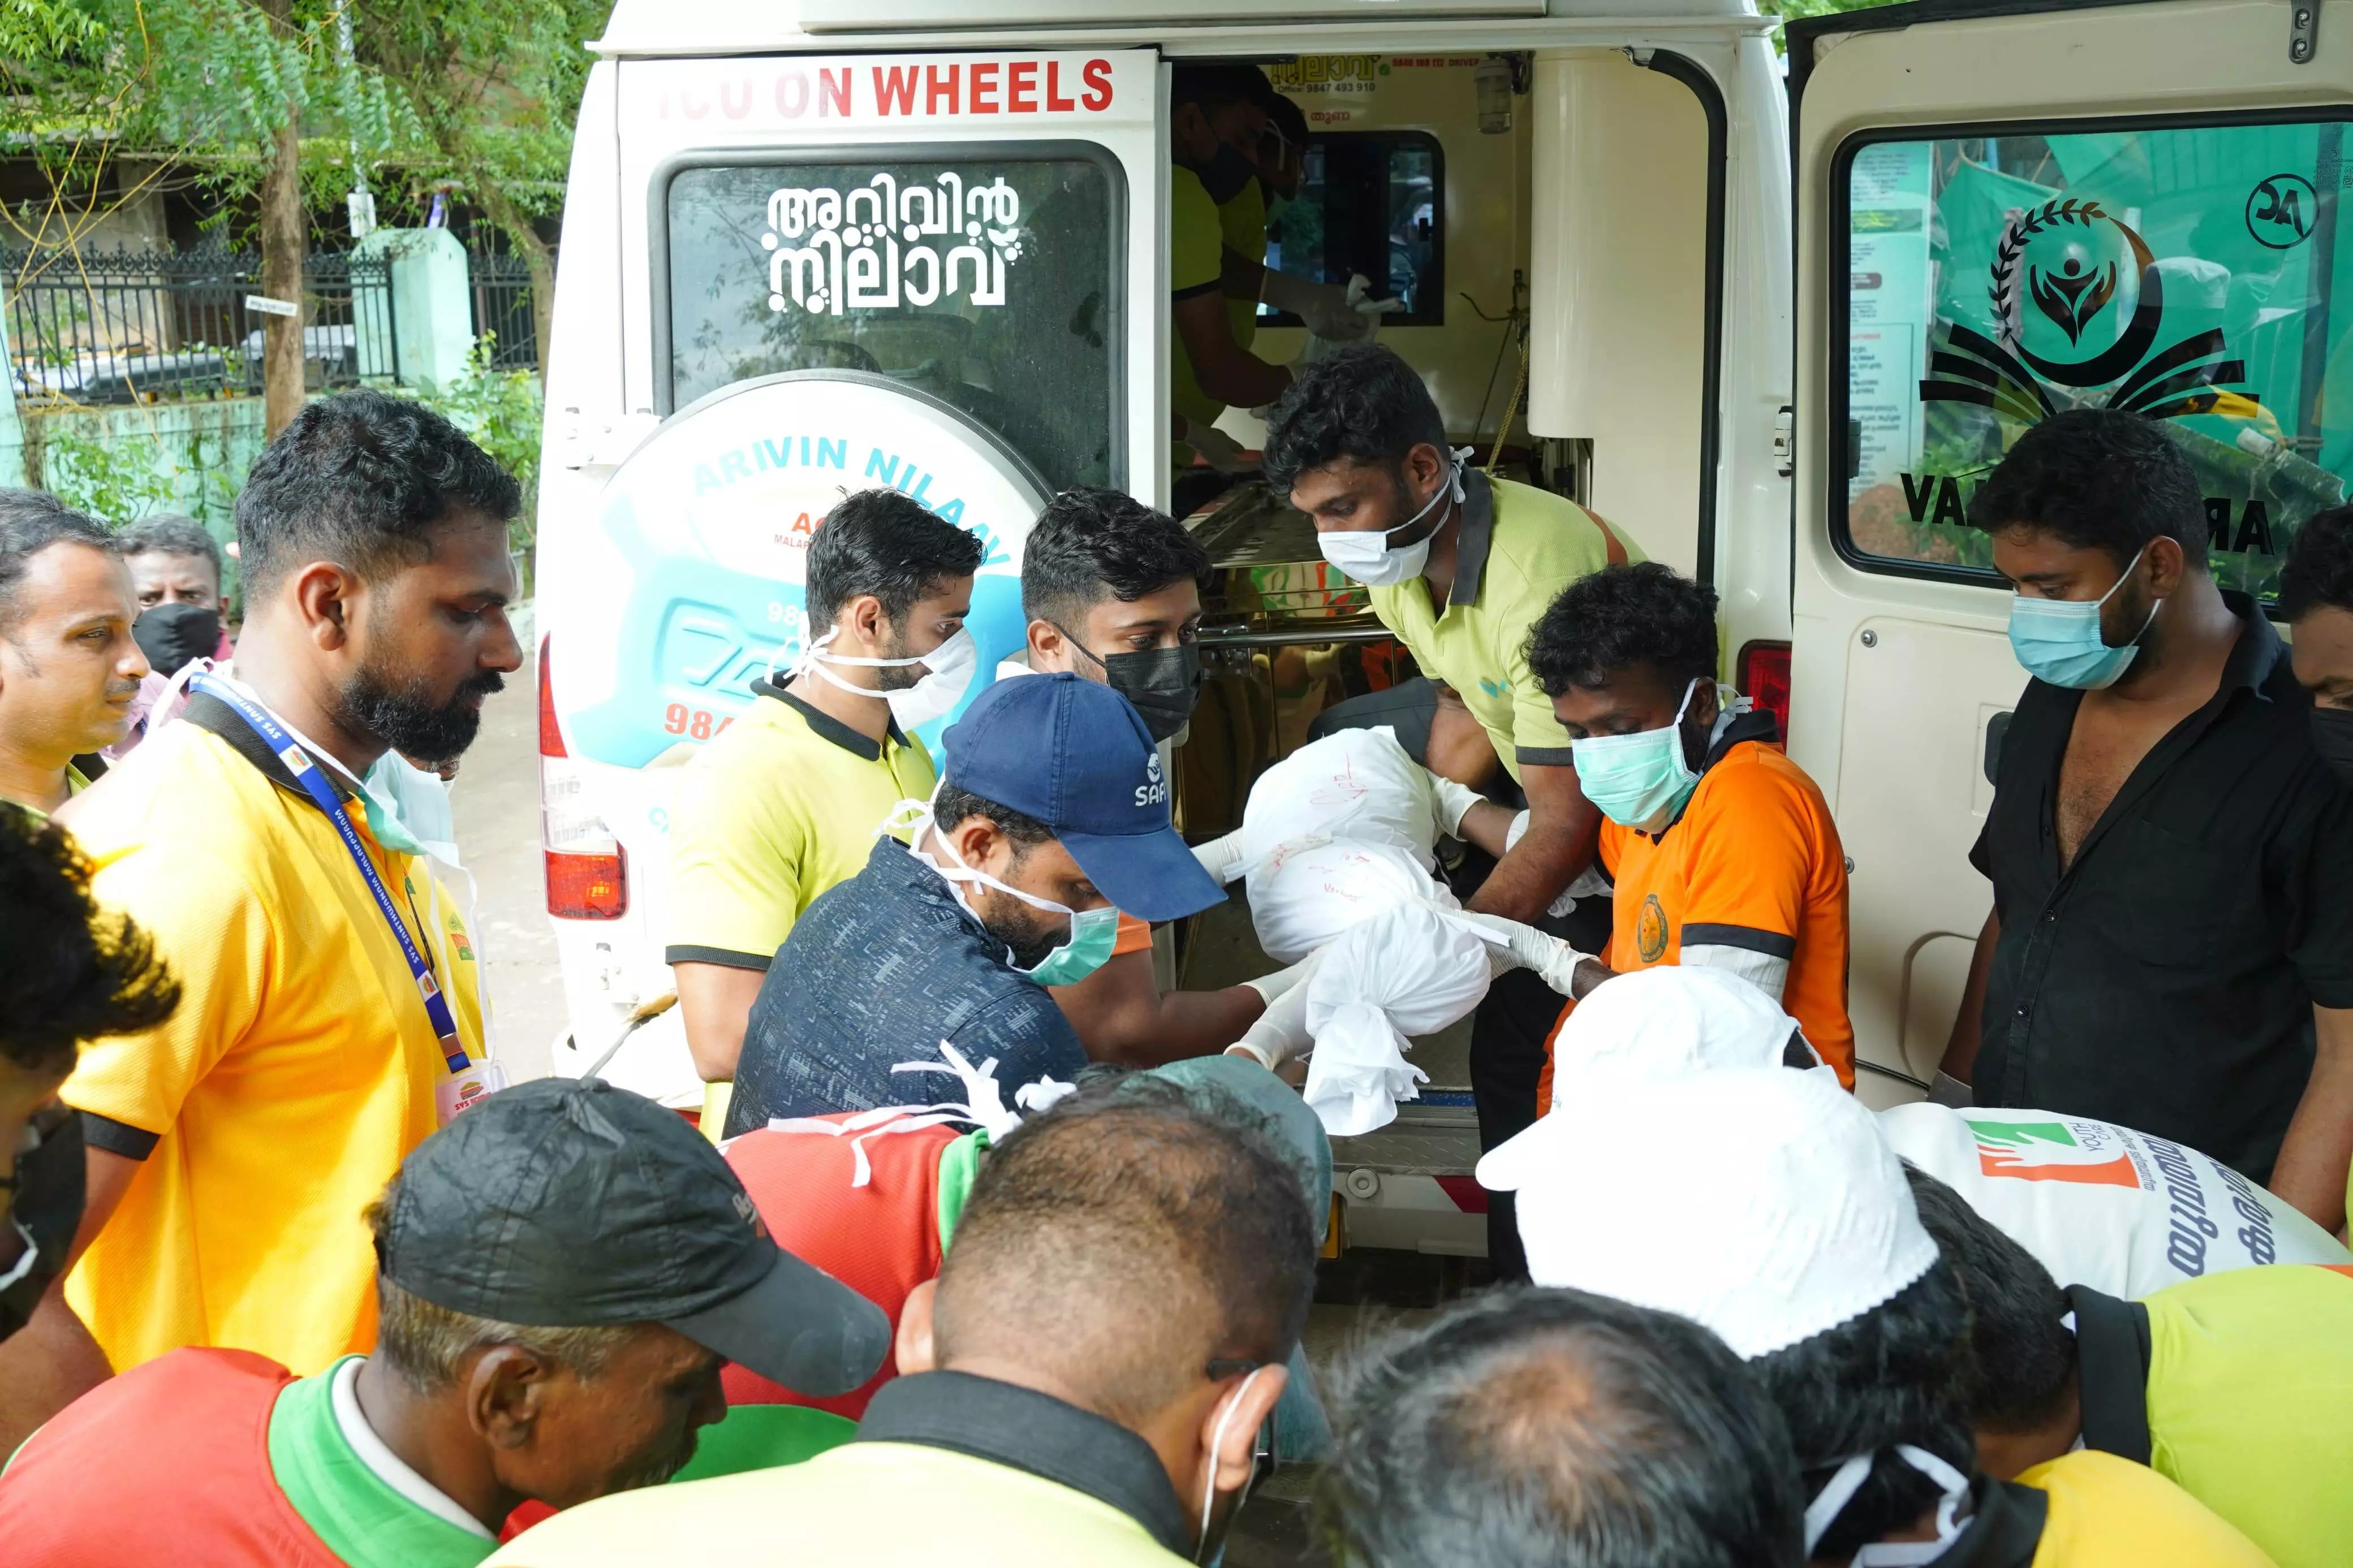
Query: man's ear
<point x="1231" y="1423"/>
<point x="1704" y="704"/>
<point x="1046" y="642"/>
<point x="915" y="1350"/>
<point x="322" y="594"/>
<point x="1424" y="466"/>
<point x="2168" y="563"/>
<point x="862" y="618"/>
<point x="504" y="1390"/>
<point x="975" y="839"/>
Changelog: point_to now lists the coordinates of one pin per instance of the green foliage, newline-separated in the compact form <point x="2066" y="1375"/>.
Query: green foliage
<point x="500" y="410"/>
<point x="1785" y="10"/>
<point x="122" y="479"/>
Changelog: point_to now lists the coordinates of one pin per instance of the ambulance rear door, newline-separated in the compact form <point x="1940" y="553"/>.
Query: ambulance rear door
<point x="836" y="271"/>
<point x="2005" y="211"/>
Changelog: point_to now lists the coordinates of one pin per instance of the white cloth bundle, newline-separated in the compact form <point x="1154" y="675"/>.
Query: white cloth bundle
<point x="1411" y="969"/>
<point x="1357" y="784"/>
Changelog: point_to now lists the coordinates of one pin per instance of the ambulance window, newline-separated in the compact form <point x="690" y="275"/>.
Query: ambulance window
<point x="988" y="280"/>
<point x="1372" y="202"/>
<point x="2186" y="272"/>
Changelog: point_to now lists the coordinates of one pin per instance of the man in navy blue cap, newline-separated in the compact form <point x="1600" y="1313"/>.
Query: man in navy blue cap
<point x="1051" y="819"/>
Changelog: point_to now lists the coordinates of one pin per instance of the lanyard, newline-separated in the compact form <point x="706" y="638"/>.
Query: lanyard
<point x="314" y="783"/>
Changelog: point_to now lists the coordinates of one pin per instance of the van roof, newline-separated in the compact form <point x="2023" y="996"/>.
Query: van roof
<point x="656" y="28"/>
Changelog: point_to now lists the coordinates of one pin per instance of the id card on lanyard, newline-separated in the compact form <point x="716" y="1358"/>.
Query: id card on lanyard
<point x="467" y="1080"/>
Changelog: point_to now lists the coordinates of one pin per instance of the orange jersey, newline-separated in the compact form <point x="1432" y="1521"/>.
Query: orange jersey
<point x="1753" y="865"/>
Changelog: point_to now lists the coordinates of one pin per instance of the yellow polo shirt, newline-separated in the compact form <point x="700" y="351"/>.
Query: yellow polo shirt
<point x="297" y="1070"/>
<point x="2106" y="1512"/>
<point x="778" y="807"/>
<point x="1195" y="262"/>
<point x="2251" y="1402"/>
<point x="1519" y="548"/>
<point x="1241" y="228"/>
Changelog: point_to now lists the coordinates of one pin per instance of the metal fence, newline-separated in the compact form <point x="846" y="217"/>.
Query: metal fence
<point x="139" y="326"/>
<point x="500" y="284"/>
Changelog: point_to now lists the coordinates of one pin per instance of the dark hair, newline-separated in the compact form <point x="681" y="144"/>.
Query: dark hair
<point x="1557" y="1429"/>
<point x="361" y="479"/>
<point x="952" y="807"/>
<point x="1360" y="402"/>
<point x="30" y="521"/>
<point x="170" y="534"/>
<point x="71" y="970"/>
<point x="1634" y="613"/>
<point x="1898" y="1373"/>
<point x="1213" y="86"/>
<point x="886" y="543"/>
<point x="1126" y="1238"/>
<point x="2096" y="478"/>
<point x="2319" y="566"/>
<point x="2022" y="1356"/>
<point x="1089" y="545"/>
<point x="1285" y="111"/>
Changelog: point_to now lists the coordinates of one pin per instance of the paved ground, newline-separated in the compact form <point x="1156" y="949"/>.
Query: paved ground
<point x="496" y="798"/>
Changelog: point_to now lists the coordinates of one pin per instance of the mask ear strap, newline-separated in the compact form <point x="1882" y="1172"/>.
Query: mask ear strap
<point x="1217" y="1443"/>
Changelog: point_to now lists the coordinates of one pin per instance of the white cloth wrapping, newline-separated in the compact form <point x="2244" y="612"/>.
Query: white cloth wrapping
<point x="1357" y="784"/>
<point x="1310" y="890"/>
<point x="1411" y="969"/>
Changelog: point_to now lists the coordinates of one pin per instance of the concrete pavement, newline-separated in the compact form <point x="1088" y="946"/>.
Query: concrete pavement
<point x="496" y="800"/>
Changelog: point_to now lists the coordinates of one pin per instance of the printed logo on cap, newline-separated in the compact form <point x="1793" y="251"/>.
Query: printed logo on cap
<point x="1153" y="790"/>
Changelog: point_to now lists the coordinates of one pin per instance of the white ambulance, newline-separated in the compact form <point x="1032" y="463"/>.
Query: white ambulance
<point x="1772" y="318"/>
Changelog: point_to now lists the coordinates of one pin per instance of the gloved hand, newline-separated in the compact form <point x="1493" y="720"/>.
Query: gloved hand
<point x="1337" y="313"/>
<point x="1453" y="800"/>
<point x="1272" y="988"/>
<point x="1280" y="1036"/>
<point x="1218" y="450"/>
<point x="1221" y="858"/>
<point x="1548" y="958"/>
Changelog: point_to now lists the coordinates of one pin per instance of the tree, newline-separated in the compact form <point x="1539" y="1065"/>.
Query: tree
<point x="495" y="86"/>
<point x="229" y="89"/>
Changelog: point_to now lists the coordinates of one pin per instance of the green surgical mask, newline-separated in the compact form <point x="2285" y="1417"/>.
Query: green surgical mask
<point x="1093" y="932"/>
<point x="1637" y="780"/>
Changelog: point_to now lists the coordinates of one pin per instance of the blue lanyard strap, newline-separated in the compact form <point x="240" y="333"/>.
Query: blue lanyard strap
<point x="323" y="793"/>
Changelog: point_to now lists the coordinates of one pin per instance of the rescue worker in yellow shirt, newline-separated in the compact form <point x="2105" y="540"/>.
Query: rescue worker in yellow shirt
<point x="1223" y="142"/>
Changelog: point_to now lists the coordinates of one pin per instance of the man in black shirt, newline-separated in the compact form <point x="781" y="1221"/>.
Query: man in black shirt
<point x="2171" y="941"/>
<point x="2315" y="594"/>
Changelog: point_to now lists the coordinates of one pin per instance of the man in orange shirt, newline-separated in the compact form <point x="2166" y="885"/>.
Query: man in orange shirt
<point x="1723" y="850"/>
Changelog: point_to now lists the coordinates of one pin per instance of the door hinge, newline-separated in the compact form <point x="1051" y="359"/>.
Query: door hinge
<point x="2303" y="31"/>
<point x="1785" y="441"/>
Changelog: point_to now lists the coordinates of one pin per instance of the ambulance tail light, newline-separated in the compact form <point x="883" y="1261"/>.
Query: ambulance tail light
<point x="1762" y="673"/>
<point x="588" y="870"/>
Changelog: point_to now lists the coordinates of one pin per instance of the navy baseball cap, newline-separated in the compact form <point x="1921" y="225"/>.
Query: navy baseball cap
<point x="567" y="1203"/>
<point x="1074" y="754"/>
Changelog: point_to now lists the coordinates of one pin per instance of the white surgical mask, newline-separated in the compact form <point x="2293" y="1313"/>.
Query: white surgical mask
<point x="947" y="675"/>
<point x="1824" y="1510"/>
<point x="1369" y="558"/>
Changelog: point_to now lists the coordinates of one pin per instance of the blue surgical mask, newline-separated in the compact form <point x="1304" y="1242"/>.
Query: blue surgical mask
<point x="1637" y="780"/>
<point x="1093" y="932"/>
<point x="2059" y="640"/>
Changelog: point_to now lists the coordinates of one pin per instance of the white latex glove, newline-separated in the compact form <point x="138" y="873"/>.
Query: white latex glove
<point x="1280" y="1035"/>
<point x="1273" y="987"/>
<point x="1332" y="311"/>
<point x="1218" y="450"/>
<point x="1453" y="800"/>
<point x="1548" y="958"/>
<point x="1221" y="858"/>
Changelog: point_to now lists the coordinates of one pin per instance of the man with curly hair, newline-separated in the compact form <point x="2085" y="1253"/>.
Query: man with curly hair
<point x="1723" y="850"/>
<point x="68" y="972"/>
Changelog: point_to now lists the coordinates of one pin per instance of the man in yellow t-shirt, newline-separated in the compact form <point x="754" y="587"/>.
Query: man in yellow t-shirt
<point x="784" y="803"/>
<point x="1461" y="567"/>
<point x="233" y="1148"/>
<point x="2237" y="1386"/>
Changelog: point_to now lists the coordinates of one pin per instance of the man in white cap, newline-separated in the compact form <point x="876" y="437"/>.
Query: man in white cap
<point x="1672" y="1020"/>
<point x="1765" y="1205"/>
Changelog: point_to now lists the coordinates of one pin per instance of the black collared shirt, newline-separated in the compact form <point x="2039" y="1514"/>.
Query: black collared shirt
<point x="2166" y="979"/>
<point x="1006" y="1424"/>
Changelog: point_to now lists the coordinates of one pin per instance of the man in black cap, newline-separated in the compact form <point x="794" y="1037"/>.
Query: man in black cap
<point x="562" y="1272"/>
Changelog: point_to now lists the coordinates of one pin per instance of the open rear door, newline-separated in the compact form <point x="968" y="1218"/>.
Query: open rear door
<point x="2005" y="211"/>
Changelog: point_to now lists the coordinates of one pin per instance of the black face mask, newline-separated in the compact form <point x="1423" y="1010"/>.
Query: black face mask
<point x="2332" y="737"/>
<point x="172" y="634"/>
<point x="47" y="1200"/>
<point x="1162" y="683"/>
<point x="1224" y="175"/>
